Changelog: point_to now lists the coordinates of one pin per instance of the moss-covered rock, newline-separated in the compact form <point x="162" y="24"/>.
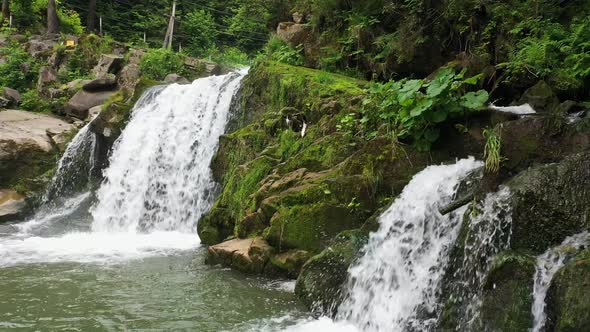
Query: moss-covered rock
<point x="288" y="263"/>
<point x="507" y="295"/>
<point x="568" y="304"/>
<point x="322" y="278"/>
<point x="550" y="203"/>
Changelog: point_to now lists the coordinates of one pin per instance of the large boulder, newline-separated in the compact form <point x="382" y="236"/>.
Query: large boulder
<point x="247" y="255"/>
<point x="175" y="78"/>
<point x="27" y="150"/>
<point x="41" y="48"/>
<point x="128" y="77"/>
<point x="108" y="64"/>
<point x="294" y="34"/>
<point x="320" y="283"/>
<point x="12" y="204"/>
<point x="82" y="101"/>
<point x="106" y="83"/>
<point x="12" y="96"/>
<point x="568" y="303"/>
<point x="540" y="97"/>
<point x="508" y="293"/>
<point x="550" y="203"/>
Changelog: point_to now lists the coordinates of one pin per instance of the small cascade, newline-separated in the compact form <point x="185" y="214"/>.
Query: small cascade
<point x="159" y="177"/>
<point x="395" y="284"/>
<point x="488" y="233"/>
<point x="547" y="265"/>
<point x="75" y="168"/>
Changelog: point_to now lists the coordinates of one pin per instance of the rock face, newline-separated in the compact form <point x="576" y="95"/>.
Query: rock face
<point x="105" y="83"/>
<point x="568" y="304"/>
<point x="248" y="255"/>
<point x="175" y="78"/>
<point x="83" y="100"/>
<point x="544" y="215"/>
<point x="294" y="34"/>
<point x="27" y="150"/>
<point x="47" y="76"/>
<point x="12" y="205"/>
<point x="128" y="77"/>
<point x="12" y="96"/>
<point x="108" y="64"/>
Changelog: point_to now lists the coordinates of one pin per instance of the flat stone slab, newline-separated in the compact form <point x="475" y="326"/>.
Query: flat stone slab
<point x="247" y="255"/>
<point x="22" y="130"/>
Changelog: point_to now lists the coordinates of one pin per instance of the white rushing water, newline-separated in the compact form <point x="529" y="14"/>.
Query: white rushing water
<point x="394" y="286"/>
<point x="547" y="265"/>
<point x="157" y="186"/>
<point x="524" y="109"/>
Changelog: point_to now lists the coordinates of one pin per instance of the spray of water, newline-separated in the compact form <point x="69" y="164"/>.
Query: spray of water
<point x="547" y="265"/>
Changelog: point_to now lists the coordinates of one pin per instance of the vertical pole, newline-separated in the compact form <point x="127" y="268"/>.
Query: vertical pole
<point x="10" y="21"/>
<point x="179" y="47"/>
<point x="172" y="18"/>
<point x="144" y="37"/>
<point x="100" y="25"/>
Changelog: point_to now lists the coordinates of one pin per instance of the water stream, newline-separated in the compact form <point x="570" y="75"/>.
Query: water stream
<point x="127" y="256"/>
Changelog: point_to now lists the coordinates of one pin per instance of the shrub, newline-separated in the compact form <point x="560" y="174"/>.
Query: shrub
<point x="278" y="50"/>
<point x="413" y="109"/>
<point x="157" y="63"/>
<point x="200" y="28"/>
<point x="12" y="72"/>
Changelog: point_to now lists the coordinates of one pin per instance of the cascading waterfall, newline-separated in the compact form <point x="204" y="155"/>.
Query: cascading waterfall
<point x="547" y="265"/>
<point x="159" y="177"/>
<point x="156" y="187"/>
<point x="75" y="167"/>
<point x="394" y="285"/>
<point x="488" y="233"/>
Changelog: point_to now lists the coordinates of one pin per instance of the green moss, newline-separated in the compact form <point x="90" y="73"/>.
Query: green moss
<point x="507" y="296"/>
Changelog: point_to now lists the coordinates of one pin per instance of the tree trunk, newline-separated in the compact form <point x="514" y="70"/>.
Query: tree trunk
<point x="91" y="20"/>
<point x="52" y="20"/>
<point x="5" y="10"/>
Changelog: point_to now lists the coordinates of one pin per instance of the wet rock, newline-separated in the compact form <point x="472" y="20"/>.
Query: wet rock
<point x="507" y="296"/>
<point x="540" y="97"/>
<point x="12" y="96"/>
<point x="175" y="78"/>
<point x="108" y="64"/>
<point x="288" y="263"/>
<point x="568" y="304"/>
<point x="550" y="203"/>
<point x="202" y="67"/>
<point x="322" y="278"/>
<point x="247" y="255"/>
<point x="106" y="83"/>
<point x="12" y="205"/>
<point x="82" y="101"/>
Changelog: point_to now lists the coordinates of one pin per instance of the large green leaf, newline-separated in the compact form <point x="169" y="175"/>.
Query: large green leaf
<point x="475" y="100"/>
<point x="421" y="106"/>
<point x="408" y="92"/>
<point x="440" y="83"/>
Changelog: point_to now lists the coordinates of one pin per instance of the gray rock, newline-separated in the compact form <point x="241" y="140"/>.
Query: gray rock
<point x="294" y="34"/>
<point x="106" y="83"/>
<point x="39" y="48"/>
<point x="540" y="97"/>
<point x="298" y="18"/>
<point x="128" y="77"/>
<point x="47" y="76"/>
<point x="12" y="96"/>
<point x="82" y="101"/>
<point x="175" y="78"/>
<point x="135" y="56"/>
<point x="108" y="63"/>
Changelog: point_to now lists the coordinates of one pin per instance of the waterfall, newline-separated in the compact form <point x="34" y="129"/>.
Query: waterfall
<point x="156" y="187"/>
<point x="395" y="284"/>
<point x="159" y="176"/>
<point x="74" y="169"/>
<point x="547" y="265"/>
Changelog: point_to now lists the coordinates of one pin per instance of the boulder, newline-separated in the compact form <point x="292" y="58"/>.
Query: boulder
<point x="298" y="18"/>
<point x="47" y="75"/>
<point x="540" y="97"/>
<point x="94" y="112"/>
<point x="82" y="101"/>
<point x="288" y="263"/>
<point x="12" y="205"/>
<point x="128" y="77"/>
<point x="294" y="34"/>
<point x="75" y="85"/>
<point x="322" y="278"/>
<point x="247" y="255"/>
<point x="507" y="295"/>
<point x="568" y="304"/>
<point x="41" y="48"/>
<point x="26" y="149"/>
<point x="135" y="56"/>
<point x="108" y="63"/>
<point x="550" y="203"/>
<point x="12" y="96"/>
<point x="106" y="83"/>
<point x="175" y="78"/>
<point x="200" y="66"/>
